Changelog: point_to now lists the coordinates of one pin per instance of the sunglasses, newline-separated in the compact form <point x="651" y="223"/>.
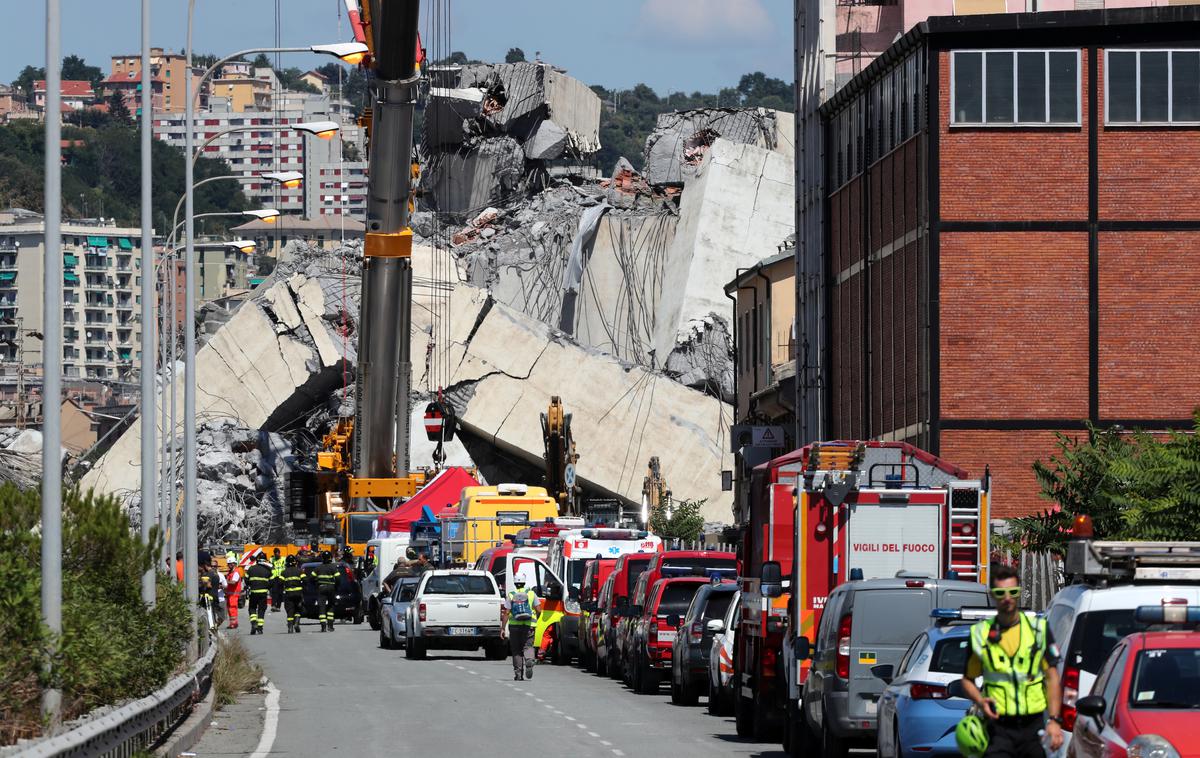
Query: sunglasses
<point x="1002" y="592"/>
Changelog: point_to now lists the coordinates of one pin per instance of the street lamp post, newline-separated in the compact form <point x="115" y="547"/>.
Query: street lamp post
<point x="149" y="368"/>
<point x="52" y="358"/>
<point x="351" y="52"/>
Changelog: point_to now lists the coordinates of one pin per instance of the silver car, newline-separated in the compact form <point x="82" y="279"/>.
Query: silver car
<point x="394" y="611"/>
<point x="720" y="660"/>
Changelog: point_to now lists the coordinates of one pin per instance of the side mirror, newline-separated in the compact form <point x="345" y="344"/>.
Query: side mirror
<point x="387" y="599"/>
<point x="588" y="605"/>
<point x="554" y="592"/>
<point x="715" y="625"/>
<point x="673" y="619"/>
<point x="801" y="649"/>
<point x="1092" y="705"/>
<point x="621" y="607"/>
<point x="635" y="610"/>
<point x="883" y="671"/>
<point x="771" y="579"/>
<point x="955" y="689"/>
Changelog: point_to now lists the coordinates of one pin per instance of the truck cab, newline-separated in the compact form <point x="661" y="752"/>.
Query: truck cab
<point x="486" y="514"/>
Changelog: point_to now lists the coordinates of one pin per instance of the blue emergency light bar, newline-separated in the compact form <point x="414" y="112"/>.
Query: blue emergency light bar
<point x="614" y="534"/>
<point x="539" y="542"/>
<point x="1168" y="613"/>
<point x="961" y="614"/>
<point x="710" y="572"/>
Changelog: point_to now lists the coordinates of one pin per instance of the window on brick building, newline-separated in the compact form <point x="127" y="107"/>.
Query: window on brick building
<point x="1152" y="86"/>
<point x="1014" y="87"/>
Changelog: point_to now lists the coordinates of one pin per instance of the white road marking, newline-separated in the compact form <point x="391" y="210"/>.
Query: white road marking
<point x="617" y="752"/>
<point x="582" y="726"/>
<point x="270" y="724"/>
<point x="593" y="734"/>
<point x="549" y="706"/>
<point x="472" y="673"/>
<point x="605" y="743"/>
<point x="569" y="718"/>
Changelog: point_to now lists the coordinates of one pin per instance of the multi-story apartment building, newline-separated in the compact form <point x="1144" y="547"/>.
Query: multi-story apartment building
<point x="341" y="189"/>
<point x="168" y="75"/>
<point x="252" y="152"/>
<point x="102" y="272"/>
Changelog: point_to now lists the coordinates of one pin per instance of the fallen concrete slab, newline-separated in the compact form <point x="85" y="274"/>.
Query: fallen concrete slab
<point x="676" y="147"/>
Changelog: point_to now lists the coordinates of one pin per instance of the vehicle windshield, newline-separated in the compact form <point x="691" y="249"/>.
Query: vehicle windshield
<point x="1167" y="679"/>
<point x="718" y="603"/>
<point x="1096" y="634"/>
<point x="636" y="569"/>
<point x="950" y="655"/>
<point x="677" y="597"/>
<point x="362" y="527"/>
<point x="458" y="585"/>
<point x="575" y="571"/>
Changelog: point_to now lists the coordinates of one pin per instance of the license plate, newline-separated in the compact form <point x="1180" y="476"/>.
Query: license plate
<point x="666" y="636"/>
<point x="462" y="631"/>
<point x="872" y="707"/>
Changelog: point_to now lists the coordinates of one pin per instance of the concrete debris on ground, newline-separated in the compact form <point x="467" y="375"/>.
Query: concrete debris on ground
<point x="20" y="457"/>
<point x="676" y="147"/>
<point x="493" y="133"/>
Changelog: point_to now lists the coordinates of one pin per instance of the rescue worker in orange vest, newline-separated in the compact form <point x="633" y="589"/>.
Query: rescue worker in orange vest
<point x="233" y="587"/>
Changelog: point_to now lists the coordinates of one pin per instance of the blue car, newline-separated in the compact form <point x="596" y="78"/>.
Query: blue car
<point x="916" y="714"/>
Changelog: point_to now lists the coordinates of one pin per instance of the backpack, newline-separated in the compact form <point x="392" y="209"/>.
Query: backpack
<point x="521" y="609"/>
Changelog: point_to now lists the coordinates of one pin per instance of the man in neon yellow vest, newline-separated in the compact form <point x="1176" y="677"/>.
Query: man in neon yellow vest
<point x="520" y="611"/>
<point x="1016" y="656"/>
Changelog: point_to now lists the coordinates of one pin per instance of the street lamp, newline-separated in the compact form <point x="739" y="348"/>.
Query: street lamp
<point x="345" y="51"/>
<point x="268" y="215"/>
<point x="322" y="129"/>
<point x="287" y="179"/>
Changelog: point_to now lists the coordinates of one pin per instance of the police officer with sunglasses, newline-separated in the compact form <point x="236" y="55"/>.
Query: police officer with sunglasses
<point x="1016" y="656"/>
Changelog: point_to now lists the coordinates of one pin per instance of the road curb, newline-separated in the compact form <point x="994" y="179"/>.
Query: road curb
<point x="188" y="733"/>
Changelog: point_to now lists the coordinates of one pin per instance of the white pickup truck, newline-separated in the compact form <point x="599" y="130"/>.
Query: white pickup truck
<point x="455" y="609"/>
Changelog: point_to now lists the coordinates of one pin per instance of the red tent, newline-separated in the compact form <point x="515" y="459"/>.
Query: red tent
<point x="441" y="491"/>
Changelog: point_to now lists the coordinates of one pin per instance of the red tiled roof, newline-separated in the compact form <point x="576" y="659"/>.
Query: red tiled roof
<point x="70" y="87"/>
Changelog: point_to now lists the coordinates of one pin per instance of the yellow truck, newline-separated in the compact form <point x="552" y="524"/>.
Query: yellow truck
<point x="486" y="514"/>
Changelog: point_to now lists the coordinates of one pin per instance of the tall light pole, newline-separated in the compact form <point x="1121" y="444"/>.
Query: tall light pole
<point x="149" y="367"/>
<point x="351" y="52"/>
<point x="52" y="354"/>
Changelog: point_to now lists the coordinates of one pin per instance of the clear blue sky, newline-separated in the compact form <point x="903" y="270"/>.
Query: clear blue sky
<point x="680" y="45"/>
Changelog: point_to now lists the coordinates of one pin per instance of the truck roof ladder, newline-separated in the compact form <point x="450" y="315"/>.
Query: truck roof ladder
<point x="1110" y="561"/>
<point x="966" y="511"/>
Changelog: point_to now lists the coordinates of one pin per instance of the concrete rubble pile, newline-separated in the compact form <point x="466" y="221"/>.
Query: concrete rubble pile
<point x="505" y="367"/>
<point x="635" y="265"/>
<point x="495" y="132"/>
<point x="20" y="457"/>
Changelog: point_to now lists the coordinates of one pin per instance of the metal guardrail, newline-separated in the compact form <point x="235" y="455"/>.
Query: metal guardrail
<point x="135" y="727"/>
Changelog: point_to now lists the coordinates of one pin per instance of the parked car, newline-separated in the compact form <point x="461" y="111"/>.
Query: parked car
<point x="605" y="635"/>
<point x="917" y="715"/>
<point x="1089" y="617"/>
<point x="595" y="575"/>
<point x="394" y="613"/>
<point x="654" y="629"/>
<point x="347" y="599"/>
<point x="866" y="623"/>
<point x="615" y="611"/>
<point x="689" y="654"/>
<point x="1146" y="698"/>
<point x="720" y="661"/>
<point x="454" y="609"/>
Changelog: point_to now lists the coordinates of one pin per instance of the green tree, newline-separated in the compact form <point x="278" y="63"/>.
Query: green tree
<point x="262" y="61"/>
<point x="113" y="647"/>
<point x="25" y="80"/>
<point x="1133" y="485"/>
<point x="289" y="79"/>
<point x="74" y="67"/>
<point x="118" y="111"/>
<point x="514" y="55"/>
<point x="677" y="520"/>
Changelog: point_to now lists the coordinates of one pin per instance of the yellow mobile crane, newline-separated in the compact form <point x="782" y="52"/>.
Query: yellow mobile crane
<point x="363" y="466"/>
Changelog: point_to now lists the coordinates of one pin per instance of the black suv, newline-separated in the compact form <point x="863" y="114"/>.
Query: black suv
<point x="689" y="659"/>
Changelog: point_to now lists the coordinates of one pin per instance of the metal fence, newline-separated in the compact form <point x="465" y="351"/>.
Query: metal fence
<point x="1041" y="577"/>
<point x="133" y="728"/>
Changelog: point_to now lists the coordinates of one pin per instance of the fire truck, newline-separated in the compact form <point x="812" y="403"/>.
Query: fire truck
<point x="828" y="513"/>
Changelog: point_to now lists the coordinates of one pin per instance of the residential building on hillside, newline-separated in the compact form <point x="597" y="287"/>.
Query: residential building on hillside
<point x="76" y="94"/>
<point x="251" y="153"/>
<point x="168" y="76"/>
<point x="102" y="271"/>
<point x="324" y="231"/>
<point x="978" y="318"/>
<point x="341" y="189"/>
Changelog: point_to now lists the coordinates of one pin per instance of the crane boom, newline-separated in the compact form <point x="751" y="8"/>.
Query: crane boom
<point x="381" y="444"/>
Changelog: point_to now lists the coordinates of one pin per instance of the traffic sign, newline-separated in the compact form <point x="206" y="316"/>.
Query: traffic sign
<point x="569" y="475"/>
<point x="767" y="436"/>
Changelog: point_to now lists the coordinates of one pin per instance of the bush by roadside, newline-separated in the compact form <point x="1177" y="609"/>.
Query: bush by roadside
<point x="234" y="671"/>
<point x="113" y="647"/>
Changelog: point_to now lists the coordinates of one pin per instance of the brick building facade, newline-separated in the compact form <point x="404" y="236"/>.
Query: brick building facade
<point x="1011" y="225"/>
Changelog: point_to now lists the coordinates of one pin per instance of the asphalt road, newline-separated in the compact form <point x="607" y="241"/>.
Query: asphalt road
<point x="340" y="693"/>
